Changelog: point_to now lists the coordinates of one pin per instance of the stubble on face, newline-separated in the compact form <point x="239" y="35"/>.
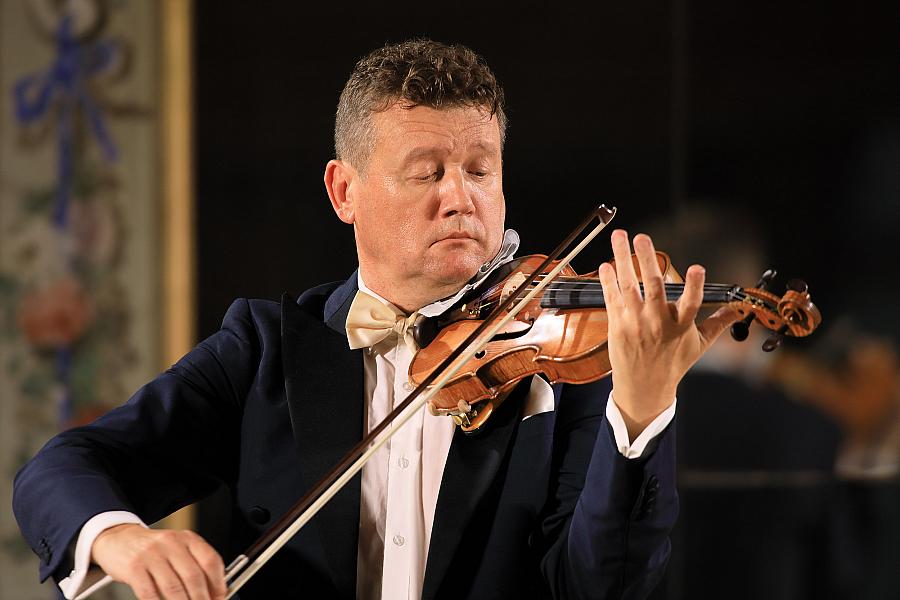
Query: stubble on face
<point x="430" y="208"/>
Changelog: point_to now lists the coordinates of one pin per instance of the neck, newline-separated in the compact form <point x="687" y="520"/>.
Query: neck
<point x="579" y="293"/>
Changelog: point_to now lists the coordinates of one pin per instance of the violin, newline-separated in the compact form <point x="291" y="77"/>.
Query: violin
<point x="562" y="333"/>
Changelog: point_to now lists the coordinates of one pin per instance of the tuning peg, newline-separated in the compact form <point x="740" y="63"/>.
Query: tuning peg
<point x="775" y="340"/>
<point x="797" y="285"/>
<point x="741" y="329"/>
<point x="766" y="279"/>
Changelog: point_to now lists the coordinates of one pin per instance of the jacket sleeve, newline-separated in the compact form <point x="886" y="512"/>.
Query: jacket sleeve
<point x="167" y="446"/>
<point x="605" y="532"/>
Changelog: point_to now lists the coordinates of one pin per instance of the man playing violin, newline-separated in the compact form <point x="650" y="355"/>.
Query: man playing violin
<point x="568" y="491"/>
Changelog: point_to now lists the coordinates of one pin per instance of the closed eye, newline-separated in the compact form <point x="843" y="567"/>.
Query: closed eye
<point x="435" y="175"/>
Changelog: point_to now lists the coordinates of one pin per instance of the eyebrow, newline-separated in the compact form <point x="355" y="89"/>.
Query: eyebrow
<point x="420" y="152"/>
<point x="487" y="147"/>
<point x="426" y="151"/>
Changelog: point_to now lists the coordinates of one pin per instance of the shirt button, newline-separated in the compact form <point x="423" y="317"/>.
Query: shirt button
<point x="403" y="462"/>
<point x="399" y="540"/>
<point x="408" y="386"/>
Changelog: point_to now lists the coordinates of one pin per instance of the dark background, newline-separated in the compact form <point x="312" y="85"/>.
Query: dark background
<point x="790" y="111"/>
<point x="785" y="113"/>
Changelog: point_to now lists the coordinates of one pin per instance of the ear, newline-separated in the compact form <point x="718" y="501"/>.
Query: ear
<point x="339" y="176"/>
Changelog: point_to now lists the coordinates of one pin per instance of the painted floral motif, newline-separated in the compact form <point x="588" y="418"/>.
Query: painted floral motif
<point x="55" y="316"/>
<point x="66" y="314"/>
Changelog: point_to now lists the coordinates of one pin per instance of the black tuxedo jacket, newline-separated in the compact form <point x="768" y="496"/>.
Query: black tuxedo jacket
<point x="545" y="507"/>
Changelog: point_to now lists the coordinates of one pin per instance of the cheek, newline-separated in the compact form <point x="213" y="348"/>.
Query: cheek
<point x="379" y="212"/>
<point x="492" y="207"/>
<point x="389" y="187"/>
<point x="401" y="228"/>
<point x="406" y="237"/>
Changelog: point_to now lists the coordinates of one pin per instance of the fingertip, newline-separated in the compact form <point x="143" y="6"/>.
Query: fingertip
<point x="697" y="271"/>
<point x="643" y="238"/>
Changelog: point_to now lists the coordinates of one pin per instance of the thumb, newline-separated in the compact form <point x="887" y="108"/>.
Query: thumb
<point x="713" y="326"/>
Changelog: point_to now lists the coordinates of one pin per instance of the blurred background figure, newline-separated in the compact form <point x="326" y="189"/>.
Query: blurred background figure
<point x="854" y="378"/>
<point x="761" y="510"/>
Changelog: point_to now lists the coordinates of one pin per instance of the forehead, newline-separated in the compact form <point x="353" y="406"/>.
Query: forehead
<point x="451" y="129"/>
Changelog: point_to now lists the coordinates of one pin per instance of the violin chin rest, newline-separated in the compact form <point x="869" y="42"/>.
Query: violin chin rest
<point x="424" y="330"/>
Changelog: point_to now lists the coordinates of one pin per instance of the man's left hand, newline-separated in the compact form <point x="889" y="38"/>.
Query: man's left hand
<point x="652" y="342"/>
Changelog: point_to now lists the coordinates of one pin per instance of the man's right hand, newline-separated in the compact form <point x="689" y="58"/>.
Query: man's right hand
<point x="161" y="563"/>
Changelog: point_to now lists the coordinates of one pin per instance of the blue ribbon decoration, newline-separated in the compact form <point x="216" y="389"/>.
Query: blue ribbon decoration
<point x="65" y="79"/>
<point x="32" y="95"/>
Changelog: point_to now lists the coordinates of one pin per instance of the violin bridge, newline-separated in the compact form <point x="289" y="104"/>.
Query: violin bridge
<point x="512" y="284"/>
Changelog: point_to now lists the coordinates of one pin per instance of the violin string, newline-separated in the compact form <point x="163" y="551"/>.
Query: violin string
<point x="669" y="287"/>
<point x="563" y="283"/>
<point x="737" y="293"/>
<point x="565" y="279"/>
<point x="741" y="298"/>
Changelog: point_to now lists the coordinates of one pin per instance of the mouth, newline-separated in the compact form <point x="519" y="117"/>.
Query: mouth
<point x="456" y="235"/>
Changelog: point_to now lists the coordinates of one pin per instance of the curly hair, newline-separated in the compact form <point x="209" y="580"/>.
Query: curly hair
<point x="417" y="72"/>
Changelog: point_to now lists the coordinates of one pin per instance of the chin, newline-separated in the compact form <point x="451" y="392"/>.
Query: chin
<point x="451" y="263"/>
<point x="456" y="270"/>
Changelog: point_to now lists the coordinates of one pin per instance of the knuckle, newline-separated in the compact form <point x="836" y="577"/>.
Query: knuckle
<point x="172" y="587"/>
<point x="135" y="562"/>
<point x="211" y="561"/>
<point x="167" y="536"/>
<point x="146" y="592"/>
<point x="192" y="535"/>
<point x="194" y="578"/>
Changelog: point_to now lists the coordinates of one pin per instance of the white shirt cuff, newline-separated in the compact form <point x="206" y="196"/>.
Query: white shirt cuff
<point x="635" y="449"/>
<point x="83" y="577"/>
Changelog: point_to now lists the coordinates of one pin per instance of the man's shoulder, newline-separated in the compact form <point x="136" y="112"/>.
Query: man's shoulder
<point x="266" y="314"/>
<point x="315" y="298"/>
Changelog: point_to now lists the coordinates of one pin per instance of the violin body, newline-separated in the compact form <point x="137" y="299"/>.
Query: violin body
<point x="562" y="334"/>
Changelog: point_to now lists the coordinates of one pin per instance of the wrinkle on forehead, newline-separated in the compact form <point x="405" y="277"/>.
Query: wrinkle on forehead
<point x="449" y="128"/>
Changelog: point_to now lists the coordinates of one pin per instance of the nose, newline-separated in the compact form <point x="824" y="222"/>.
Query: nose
<point x="454" y="197"/>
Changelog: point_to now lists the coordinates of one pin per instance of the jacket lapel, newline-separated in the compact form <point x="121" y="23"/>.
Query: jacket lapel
<point x="324" y="389"/>
<point x="324" y="386"/>
<point x="472" y="465"/>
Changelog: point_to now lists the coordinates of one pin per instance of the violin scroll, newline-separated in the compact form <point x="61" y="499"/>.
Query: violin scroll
<point x="793" y="314"/>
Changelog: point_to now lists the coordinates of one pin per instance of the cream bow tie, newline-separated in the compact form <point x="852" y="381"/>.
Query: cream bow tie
<point x="370" y="321"/>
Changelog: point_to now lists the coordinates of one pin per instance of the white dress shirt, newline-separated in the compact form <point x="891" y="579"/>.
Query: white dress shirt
<point x="401" y="482"/>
